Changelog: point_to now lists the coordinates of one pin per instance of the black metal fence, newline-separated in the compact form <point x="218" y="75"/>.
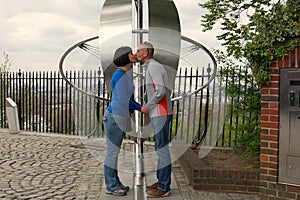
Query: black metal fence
<point x="46" y="103"/>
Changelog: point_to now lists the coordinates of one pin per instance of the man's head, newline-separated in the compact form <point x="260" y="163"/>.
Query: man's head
<point x="144" y="52"/>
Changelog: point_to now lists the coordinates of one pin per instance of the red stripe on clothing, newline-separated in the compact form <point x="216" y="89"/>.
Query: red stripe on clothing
<point x="163" y="107"/>
<point x="154" y="86"/>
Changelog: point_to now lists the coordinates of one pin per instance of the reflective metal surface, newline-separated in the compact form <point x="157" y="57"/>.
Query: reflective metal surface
<point x="289" y="137"/>
<point x="115" y="30"/>
<point x="139" y="167"/>
<point x="128" y="23"/>
<point x="164" y="34"/>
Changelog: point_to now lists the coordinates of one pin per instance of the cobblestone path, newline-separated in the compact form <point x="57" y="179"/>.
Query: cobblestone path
<point x="37" y="166"/>
<point x="44" y="167"/>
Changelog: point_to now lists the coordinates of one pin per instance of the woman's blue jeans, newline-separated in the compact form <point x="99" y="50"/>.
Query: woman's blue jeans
<point x="114" y="138"/>
<point x="160" y="127"/>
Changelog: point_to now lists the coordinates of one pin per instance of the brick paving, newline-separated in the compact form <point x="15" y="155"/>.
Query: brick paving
<point x="51" y="166"/>
<point x="41" y="167"/>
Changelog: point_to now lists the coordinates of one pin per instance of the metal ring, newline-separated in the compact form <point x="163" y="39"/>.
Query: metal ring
<point x="63" y="74"/>
<point x="104" y="99"/>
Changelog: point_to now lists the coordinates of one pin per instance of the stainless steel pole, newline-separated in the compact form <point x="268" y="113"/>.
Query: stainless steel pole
<point x="139" y="179"/>
<point x="139" y="174"/>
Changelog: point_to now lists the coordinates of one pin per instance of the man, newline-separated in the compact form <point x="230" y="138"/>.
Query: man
<point x="160" y="110"/>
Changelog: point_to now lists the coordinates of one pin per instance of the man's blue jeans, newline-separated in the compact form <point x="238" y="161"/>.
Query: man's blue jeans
<point x="161" y="130"/>
<point x="114" y="138"/>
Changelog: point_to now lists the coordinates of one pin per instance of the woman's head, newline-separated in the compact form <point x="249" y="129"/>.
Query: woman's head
<point x="123" y="56"/>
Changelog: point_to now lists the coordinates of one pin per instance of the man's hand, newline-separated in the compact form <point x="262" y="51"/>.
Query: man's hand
<point x="144" y="109"/>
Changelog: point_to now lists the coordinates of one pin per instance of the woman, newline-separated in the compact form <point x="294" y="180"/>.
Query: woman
<point x="116" y="118"/>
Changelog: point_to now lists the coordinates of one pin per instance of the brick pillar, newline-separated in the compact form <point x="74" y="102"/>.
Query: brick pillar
<point x="269" y="156"/>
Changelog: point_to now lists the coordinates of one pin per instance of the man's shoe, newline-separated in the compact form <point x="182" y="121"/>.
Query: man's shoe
<point x="158" y="193"/>
<point x="117" y="192"/>
<point x="154" y="186"/>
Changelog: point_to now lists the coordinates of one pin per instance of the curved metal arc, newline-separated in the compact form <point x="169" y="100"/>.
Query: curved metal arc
<point x="209" y="80"/>
<point x="173" y="99"/>
<point x="63" y="74"/>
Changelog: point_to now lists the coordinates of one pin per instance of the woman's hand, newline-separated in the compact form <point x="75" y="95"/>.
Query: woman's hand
<point x="144" y="109"/>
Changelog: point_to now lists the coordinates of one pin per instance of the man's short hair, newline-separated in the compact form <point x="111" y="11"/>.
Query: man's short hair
<point x="149" y="47"/>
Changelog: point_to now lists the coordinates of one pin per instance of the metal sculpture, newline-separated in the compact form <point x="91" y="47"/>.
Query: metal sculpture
<point x="131" y="22"/>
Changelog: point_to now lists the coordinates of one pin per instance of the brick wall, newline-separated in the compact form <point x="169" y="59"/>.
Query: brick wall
<point x="270" y="189"/>
<point x="208" y="178"/>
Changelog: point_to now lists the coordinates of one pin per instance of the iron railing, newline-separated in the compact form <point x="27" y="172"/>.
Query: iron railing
<point x="46" y="103"/>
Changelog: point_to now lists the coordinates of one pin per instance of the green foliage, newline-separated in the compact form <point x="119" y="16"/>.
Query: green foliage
<point x="244" y="106"/>
<point x="256" y="30"/>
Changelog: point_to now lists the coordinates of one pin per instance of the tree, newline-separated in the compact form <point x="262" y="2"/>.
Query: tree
<point x="5" y="65"/>
<point x="253" y="30"/>
<point x="4" y="84"/>
<point x="243" y="103"/>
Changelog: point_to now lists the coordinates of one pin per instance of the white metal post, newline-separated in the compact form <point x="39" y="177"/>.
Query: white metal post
<point x="139" y="174"/>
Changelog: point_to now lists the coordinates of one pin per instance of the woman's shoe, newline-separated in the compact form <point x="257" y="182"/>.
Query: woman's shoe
<point x="117" y="192"/>
<point x="126" y="188"/>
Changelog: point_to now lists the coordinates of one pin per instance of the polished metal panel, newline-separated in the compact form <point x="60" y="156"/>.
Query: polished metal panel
<point x="289" y="134"/>
<point x="115" y="31"/>
<point x="165" y="35"/>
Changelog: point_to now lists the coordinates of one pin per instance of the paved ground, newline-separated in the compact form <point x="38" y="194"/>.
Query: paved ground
<point x="51" y="166"/>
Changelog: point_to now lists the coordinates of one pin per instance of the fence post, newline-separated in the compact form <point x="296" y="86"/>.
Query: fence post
<point x="12" y="116"/>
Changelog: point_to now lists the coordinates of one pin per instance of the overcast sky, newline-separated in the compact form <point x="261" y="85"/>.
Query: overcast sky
<point x="35" y="33"/>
